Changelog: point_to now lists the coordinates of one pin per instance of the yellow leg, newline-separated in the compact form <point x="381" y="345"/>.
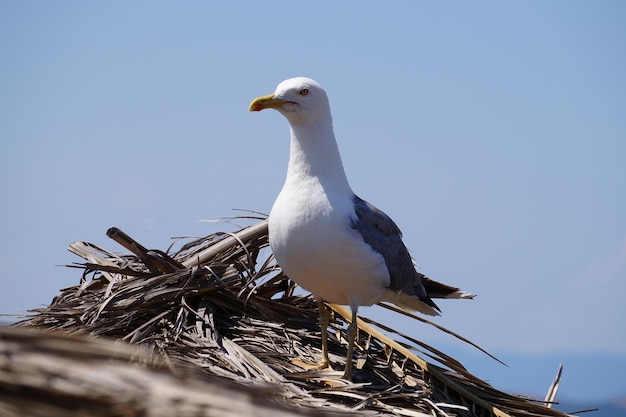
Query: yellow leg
<point x="324" y="364"/>
<point x="324" y="322"/>
<point x="351" y="334"/>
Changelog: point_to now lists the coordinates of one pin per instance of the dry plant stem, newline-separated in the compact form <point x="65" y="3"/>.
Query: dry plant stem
<point x="244" y="235"/>
<point x="554" y="387"/>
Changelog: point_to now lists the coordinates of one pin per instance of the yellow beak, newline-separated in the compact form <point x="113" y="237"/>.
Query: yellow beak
<point x="267" y="102"/>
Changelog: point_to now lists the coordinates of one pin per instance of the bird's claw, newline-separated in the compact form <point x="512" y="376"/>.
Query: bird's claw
<point x="313" y="366"/>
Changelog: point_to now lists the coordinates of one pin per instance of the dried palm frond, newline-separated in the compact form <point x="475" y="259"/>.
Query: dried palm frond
<point x="52" y="373"/>
<point x="554" y="387"/>
<point x="221" y="306"/>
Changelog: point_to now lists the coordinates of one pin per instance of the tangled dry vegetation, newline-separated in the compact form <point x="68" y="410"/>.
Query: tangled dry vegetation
<point x="215" y="328"/>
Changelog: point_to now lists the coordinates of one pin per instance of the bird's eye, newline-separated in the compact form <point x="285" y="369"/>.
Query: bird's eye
<point x="304" y="91"/>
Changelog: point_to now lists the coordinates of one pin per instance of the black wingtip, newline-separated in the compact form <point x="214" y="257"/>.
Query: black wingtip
<point x="429" y="302"/>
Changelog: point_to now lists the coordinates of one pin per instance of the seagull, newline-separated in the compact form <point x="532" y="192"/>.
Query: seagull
<point x="324" y="237"/>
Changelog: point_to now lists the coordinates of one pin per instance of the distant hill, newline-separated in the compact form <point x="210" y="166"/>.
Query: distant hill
<point x="615" y="408"/>
<point x="589" y="380"/>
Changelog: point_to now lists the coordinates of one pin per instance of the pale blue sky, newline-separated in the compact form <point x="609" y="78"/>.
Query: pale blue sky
<point x="493" y="133"/>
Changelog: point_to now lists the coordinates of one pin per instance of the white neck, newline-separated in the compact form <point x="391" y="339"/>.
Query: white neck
<point x="314" y="155"/>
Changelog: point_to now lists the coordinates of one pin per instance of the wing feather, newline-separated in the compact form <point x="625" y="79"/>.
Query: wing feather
<point x="384" y="236"/>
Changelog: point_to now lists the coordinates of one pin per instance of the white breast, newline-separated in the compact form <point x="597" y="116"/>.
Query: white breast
<point x="315" y="245"/>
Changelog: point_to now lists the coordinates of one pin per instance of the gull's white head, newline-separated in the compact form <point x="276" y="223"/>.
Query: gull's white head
<point x="300" y="100"/>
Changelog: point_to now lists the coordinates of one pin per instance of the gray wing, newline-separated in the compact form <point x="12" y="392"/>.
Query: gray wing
<point x="384" y="236"/>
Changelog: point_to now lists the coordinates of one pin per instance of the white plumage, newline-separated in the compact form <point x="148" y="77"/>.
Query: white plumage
<point x="332" y="243"/>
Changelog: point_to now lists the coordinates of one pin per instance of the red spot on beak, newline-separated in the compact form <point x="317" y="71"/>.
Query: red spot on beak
<point x="257" y="107"/>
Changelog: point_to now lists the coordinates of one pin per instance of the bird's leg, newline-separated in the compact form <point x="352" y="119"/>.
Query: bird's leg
<point x="324" y="322"/>
<point x="351" y="335"/>
<point x="324" y="364"/>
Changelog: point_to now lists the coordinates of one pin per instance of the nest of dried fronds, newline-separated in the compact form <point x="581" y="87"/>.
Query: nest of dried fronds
<point x="220" y="309"/>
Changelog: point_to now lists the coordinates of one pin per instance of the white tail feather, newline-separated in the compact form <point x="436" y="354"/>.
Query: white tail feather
<point x="461" y="294"/>
<point x="409" y="303"/>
